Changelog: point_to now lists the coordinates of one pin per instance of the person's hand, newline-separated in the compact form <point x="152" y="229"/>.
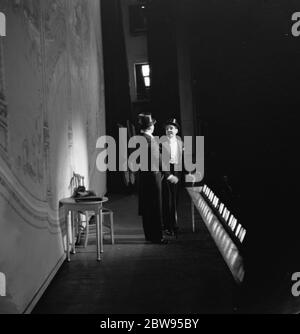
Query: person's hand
<point x="173" y="179"/>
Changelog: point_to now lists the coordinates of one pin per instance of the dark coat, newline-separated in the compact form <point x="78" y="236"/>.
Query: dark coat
<point x="150" y="195"/>
<point x="149" y="184"/>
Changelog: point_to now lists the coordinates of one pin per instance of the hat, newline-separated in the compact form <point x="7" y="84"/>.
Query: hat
<point x="172" y="121"/>
<point x="145" y="120"/>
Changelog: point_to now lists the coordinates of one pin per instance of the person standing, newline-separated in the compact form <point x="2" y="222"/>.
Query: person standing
<point x="173" y="147"/>
<point x="150" y="186"/>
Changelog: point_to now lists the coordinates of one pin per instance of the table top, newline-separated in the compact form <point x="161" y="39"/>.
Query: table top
<point x="72" y="201"/>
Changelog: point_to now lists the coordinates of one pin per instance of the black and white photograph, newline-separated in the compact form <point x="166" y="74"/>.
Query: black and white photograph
<point x="149" y="169"/>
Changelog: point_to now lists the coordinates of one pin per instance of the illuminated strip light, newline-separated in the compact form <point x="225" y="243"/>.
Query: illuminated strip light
<point x="230" y="220"/>
<point x="241" y="233"/>
<point x="227" y="215"/>
<point x="204" y="188"/>
<point x="221" y="208"/>
<point x="234" y="223"/>
<point x="238" y="230"/>
<point x="243" y="236"/>
<point x="214" y="200"/>
<point x="224" y="243"/>
<point x="224" y="213"/>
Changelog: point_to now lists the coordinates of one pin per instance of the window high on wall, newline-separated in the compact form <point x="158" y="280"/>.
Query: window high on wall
<point x="142" y="81"/>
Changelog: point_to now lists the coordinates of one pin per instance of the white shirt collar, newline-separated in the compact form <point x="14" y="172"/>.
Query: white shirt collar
<point x="147" y="133"/>
<point x="172" y="139"/>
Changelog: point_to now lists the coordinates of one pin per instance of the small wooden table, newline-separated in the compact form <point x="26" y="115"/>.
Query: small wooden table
<point x="70" y="205"/>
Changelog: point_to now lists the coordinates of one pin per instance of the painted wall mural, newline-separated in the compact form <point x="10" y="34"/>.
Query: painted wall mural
<point x="51" y="114"/>
<point x="3" y="106"/>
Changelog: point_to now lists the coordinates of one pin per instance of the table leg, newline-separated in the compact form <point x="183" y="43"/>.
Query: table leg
<point x="112" y="228"/>
<point x="101" y="231"/>
<point x="68" y="236"/>
<point x="193" y="215"/>
<point x="78" y="227"/>
<point x="98" y="236"/>
<point x="73" y="232"/>
<point x="87" y="229"/>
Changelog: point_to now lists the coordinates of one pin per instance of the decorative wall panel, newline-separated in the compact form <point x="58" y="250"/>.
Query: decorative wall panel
<point x="51" y="114"/>
<point x="3" y="106"/>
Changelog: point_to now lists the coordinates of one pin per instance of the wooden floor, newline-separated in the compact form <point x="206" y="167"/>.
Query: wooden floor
<point x="186" y="276"/>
